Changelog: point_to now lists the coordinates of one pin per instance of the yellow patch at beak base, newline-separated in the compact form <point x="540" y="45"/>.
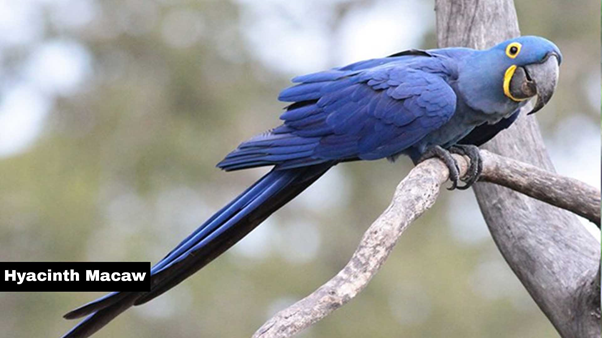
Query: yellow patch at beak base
<point x="507" y="78"/>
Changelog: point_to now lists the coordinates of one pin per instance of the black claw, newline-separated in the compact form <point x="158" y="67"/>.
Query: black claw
<point x="476" y="163"/>
<point x="450" y="163"/>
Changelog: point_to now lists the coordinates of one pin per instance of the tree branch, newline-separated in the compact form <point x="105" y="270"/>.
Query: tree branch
<point x="413" y="196"/>
<point x="549" y="250"/>
<point x="563" y="192"/>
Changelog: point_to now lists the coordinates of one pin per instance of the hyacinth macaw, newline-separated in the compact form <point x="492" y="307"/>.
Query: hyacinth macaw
<point x="419" y="103"/>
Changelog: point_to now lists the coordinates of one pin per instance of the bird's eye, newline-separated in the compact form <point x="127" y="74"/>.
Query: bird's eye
<point x="513" y="49"/>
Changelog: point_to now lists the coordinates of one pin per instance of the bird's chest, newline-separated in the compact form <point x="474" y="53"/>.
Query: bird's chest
<point x="464" y="120"/>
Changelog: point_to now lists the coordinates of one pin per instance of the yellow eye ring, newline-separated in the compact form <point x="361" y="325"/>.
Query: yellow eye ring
<point x="513" y="49"/>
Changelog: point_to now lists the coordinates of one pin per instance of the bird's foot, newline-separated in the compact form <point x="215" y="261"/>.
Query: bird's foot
<point x="476" y="163"/>
<point x="450" y="163"/>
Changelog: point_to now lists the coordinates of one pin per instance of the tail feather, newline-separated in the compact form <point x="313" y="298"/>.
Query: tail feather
<point x="216" y="222"/>
<point x="239" y="226"/>
<point x="97" y="320"/>
<point x="98" y="304"/>
<point x="210" y="240"/>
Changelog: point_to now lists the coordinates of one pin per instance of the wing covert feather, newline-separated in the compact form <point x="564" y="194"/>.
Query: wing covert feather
<point x="367" y="114"/>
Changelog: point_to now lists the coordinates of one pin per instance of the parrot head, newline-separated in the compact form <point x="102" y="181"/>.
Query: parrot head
<point x="512" y="72"/>
<point x="533" y="69"/>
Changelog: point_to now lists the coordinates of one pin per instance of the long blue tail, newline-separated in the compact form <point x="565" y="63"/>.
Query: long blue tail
<point x="210" y="240"/>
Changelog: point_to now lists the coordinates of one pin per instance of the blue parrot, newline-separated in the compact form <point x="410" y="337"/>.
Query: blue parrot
<point x="418" y="103"/>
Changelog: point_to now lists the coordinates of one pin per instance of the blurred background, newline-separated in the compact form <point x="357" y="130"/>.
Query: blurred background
<point x="113" y="115"/>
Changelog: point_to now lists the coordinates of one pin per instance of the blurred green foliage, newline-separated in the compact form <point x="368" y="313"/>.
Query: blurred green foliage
<point x="124" y="169"/>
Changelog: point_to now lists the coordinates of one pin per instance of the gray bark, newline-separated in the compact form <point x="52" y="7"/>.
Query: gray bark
<point x="548" y="249"/>
<point x="563" y="192"/>
<point x="413" y="196"/>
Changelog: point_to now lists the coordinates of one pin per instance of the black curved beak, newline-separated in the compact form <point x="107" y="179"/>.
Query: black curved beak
<point x="536" y="79"/>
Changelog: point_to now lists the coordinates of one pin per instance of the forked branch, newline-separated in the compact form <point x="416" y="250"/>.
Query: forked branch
<point x="413" y="196"/>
